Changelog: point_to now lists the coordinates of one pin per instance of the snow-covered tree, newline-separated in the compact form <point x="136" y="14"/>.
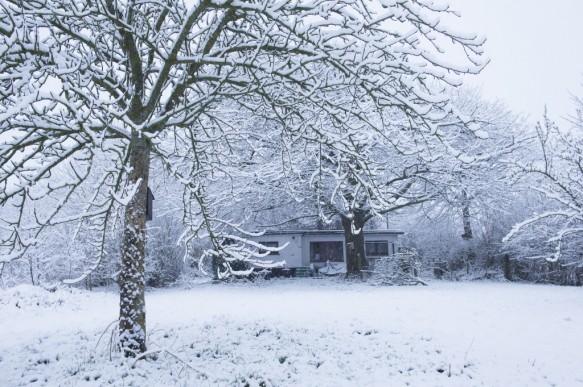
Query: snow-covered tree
<point x="400" y="168"/>
<point x="357" y="189"/>
<point x="123" y="81"/>
<point x="555" y="172"/>
<point x="478" y="194"/>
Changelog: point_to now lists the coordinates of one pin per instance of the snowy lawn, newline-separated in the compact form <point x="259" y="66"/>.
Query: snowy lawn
<point x="305" y="332"/>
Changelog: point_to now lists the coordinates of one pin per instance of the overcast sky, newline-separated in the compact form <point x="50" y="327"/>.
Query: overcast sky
<point x="536" y="51"/>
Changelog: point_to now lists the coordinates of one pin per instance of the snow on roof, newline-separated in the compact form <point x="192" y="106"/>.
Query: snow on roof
<point x="330" y="232"/>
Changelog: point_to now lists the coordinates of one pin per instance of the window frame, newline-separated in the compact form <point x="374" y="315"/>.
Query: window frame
<point x="337" y="249"/>
<point x="376" y="254"/>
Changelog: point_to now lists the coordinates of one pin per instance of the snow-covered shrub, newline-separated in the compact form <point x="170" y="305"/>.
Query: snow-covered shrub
<point x="164" y="257"/>
<point x="402" y="268"/>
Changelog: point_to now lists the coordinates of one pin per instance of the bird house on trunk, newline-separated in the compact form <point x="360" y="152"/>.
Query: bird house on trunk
<point x="149" y="204"/>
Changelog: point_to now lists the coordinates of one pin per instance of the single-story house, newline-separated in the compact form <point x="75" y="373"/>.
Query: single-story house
<point x="324" y="250"/>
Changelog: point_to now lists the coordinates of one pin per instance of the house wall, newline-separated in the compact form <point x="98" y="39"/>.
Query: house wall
<point x="292" y="254"/>
<point x="297" y="253"/>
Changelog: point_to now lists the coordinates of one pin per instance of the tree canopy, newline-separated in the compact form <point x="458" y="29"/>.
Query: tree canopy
<point x="91" y="90"/>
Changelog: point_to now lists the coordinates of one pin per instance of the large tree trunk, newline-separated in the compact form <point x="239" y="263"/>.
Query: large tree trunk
<point x="132" y="313"/>
<point x="355" y="251"/>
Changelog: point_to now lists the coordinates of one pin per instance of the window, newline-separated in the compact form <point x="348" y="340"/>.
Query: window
<point x="326" y="251"/>
<point x="269" y="244"/>
<point x="376" y="248"/>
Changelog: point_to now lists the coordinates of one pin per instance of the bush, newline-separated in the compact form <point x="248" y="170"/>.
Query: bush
<point x="402" y="268"/>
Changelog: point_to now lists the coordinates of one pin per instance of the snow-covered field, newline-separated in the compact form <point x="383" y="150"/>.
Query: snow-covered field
<point x="302" y="332"/>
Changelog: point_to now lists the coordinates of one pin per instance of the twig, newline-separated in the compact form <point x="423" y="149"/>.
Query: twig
<point x="470" y="347"/>
<point x="103" y="333"/>
<point x="153" y="351"/>
<point x="145" y="354"/>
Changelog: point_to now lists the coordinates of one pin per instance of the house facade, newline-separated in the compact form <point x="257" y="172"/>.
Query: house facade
<point x="315" y="248"/>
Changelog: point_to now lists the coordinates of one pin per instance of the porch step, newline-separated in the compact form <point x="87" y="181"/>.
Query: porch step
<point x="304" y="272"/>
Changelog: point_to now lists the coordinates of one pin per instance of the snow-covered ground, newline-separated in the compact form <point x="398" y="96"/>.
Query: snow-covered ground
<point x="302" y="332"/>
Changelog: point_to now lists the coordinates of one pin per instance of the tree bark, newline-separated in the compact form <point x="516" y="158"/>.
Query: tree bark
<point x="507" y="268"/>
<point x="217" y="263"/>
<point x="468" y="234"/>
<point x="466" y="217"/>
<point x="132" y="314"/>
<point x="355" y="251"/>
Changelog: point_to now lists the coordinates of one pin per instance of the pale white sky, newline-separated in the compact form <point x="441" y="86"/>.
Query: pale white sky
<point x="536" y="51"/>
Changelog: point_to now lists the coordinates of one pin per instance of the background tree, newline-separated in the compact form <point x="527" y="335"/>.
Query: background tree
<point x="477" y="198"/>
<point x="379" y="181"/>
<point x="122" y="81"/>
<point x="555" y="173"/>
<point x="400" y="168"/>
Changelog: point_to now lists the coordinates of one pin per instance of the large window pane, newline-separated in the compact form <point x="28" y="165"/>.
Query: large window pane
<point x="326" y="251"/>
<point x="377" y="248"/>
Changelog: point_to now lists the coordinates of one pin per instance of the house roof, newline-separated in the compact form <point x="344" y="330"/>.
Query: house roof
<point x="331" y="232"/>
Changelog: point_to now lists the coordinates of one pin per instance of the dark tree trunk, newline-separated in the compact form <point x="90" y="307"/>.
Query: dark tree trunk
<point x="355" y="251"/>
<point x="132" y="314"/>
<point x="507" y="268"/>
<point x="217" y="263"/>
<point x="468" y="234"/>
<point x="31" y="271"/>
